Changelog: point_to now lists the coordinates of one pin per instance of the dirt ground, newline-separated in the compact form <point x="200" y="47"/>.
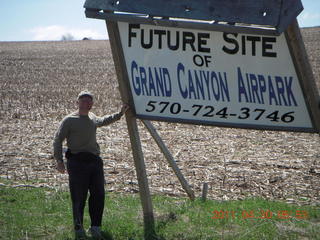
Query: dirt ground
<point x="40" y="81"/>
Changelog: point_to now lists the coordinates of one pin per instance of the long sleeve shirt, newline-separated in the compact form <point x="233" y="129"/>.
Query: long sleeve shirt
<point x="80" y="132"/>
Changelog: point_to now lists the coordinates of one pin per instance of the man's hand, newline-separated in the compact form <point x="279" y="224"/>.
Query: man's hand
<point x="60" y="167"/>
<point x="124" y="108"/>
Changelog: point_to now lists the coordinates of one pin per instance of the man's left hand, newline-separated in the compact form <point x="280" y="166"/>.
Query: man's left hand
<point x="124" y="108"/>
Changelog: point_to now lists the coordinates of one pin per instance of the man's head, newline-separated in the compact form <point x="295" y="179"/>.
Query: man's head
<point x="85" y="101"/>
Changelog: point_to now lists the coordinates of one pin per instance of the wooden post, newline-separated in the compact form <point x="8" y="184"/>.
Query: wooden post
<point x="304" y="71"/>
<point x="148" y="218"/>
<point x="204" y="192"/>
<point x="169" y="158"/>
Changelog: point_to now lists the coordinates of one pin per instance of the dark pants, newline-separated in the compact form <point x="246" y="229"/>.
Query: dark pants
<point x="86" y="174"/>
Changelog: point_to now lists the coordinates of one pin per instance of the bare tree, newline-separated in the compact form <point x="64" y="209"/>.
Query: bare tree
<point x="67" y="37"/>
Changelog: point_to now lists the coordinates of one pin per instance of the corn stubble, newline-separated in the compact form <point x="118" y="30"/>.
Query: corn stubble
<point x="40" y="81"/>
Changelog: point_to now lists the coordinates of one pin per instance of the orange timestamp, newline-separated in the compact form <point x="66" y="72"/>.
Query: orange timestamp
<point x="261" y="214"/>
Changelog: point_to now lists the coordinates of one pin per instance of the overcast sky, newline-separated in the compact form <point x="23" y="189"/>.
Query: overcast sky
<point x="37" y="20"/>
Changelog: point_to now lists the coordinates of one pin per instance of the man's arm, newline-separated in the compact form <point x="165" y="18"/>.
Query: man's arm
<point x="106" y="120"/>
<point x="60" y="135"/>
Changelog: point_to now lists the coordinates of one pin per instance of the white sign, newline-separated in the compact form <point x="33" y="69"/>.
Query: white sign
<point x="207" y="77"/>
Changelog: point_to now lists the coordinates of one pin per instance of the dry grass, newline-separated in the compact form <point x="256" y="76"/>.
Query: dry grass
<point x="39" y="83"/>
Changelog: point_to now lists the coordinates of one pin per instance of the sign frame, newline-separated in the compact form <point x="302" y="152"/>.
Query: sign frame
<point x="107" y="10"/>
<point x="304" y="74"/>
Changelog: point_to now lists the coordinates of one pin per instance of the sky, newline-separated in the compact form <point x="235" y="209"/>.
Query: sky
<point x="45" y="20"/>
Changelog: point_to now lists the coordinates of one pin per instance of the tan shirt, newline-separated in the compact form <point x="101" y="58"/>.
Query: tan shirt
<point x="80" y="132"/>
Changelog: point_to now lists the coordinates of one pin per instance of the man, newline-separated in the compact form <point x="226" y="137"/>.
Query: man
<point x="84" y="166"/>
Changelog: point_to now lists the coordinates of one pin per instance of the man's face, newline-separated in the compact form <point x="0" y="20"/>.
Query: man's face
<point x="85" y="103"/>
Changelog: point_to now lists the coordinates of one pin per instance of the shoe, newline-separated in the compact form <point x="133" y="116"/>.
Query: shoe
<point x="96" y="233"/>
<point x="80" y="234"/>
